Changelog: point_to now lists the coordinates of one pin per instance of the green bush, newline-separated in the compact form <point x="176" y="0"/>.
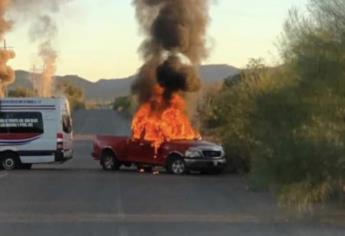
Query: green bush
<point x="127" y="105"/>
<point x="22" y="92"/>
<point x="122" y="104"/>
<point x="288" y="122"/>
<point x="228" y="114"/>
<point x="302" y="139"/>
<point x="74" y="95"/>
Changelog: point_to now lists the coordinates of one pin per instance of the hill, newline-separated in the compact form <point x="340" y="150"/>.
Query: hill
<point x="108" y="89"/>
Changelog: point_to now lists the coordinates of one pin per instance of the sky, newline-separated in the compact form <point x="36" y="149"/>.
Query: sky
<point x="98" y="39"/>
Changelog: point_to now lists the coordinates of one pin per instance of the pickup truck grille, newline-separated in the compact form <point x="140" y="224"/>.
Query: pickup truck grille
<point x="211" y="154"/>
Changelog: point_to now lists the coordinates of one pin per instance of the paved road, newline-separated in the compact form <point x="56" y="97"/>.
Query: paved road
<point x="100" y="122"/>
<point x="78" y="198"/>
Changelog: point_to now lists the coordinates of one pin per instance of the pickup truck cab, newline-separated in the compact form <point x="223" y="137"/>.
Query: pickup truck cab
<point x="178" y="157"/>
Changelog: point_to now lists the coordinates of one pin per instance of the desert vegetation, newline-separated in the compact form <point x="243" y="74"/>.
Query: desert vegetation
<point x="286" y="124"/>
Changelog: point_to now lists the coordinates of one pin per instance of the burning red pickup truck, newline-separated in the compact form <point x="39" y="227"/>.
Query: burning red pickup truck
<point x="178" y="157"/>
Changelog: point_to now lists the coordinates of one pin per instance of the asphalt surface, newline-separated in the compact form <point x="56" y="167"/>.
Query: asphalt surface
<point x="78" y="198"/>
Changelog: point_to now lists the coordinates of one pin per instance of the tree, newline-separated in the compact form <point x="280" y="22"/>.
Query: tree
<point x="288" y="122"/>
<point x="230" y="113"/>
<point x="122" y="104"/>
<point x="74" y="95"/>
<point x="302" y="126"/>
<point x="22" y="92"/>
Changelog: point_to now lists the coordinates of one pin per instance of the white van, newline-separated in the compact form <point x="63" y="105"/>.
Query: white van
<point x="34" y="131"/>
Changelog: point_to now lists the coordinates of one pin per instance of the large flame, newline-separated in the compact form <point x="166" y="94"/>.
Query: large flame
<point x="173" y="48"/>
<point x="159" y="122"/>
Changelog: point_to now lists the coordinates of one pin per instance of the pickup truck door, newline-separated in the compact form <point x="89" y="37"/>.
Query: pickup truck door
<point x="140" y="151"/>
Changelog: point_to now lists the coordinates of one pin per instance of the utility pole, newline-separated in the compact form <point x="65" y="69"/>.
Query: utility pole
<point x="5" y="46"/>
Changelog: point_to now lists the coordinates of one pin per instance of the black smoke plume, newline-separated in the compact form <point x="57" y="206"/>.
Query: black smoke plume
<point x="174" y="46"/>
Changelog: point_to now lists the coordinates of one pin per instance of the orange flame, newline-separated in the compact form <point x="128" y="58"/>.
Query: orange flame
<point x="157" y="122"/>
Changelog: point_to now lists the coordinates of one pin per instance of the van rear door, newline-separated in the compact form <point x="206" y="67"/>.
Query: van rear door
<point x="67" y="129"/>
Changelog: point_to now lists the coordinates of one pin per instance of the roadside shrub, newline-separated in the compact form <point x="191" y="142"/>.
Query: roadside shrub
<point x="122" y="104"/>
<point x="228" y="114"/>
<point x="126" y="105"/>
<point x="289" y="133"/>
<point x="22" y="92"/>
<point x="302" y="139"/>
<point x="288" y="122"/>
<point x="75" y="95"/>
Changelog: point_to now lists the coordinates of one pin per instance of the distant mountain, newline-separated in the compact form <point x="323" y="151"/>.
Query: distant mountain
<point x="215" y="73"/>
<point x="108" y="89"/>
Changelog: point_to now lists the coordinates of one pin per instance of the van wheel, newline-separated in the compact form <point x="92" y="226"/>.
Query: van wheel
<point x="109" y="161"/>
<point x="176" y="165"/>
<point x="10" y="161"/>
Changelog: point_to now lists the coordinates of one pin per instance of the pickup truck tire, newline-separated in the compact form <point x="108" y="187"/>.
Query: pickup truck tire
<point x="176" y="165"/>
<point x="109" y="161"/>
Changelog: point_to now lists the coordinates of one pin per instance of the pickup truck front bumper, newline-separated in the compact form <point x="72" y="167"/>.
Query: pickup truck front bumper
<point x="204" y="164"/>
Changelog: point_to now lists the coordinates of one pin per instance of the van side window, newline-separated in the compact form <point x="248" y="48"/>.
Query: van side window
<point x="21" y="122"/>
<point x="66" y="124"/>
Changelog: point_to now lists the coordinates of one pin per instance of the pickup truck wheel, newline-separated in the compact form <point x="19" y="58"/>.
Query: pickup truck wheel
<point x="176" y="165"/>
<point x="109" y="161"/>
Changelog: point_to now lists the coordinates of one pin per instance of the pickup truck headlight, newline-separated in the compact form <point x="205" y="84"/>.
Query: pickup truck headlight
<point x="193" y="153"/>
